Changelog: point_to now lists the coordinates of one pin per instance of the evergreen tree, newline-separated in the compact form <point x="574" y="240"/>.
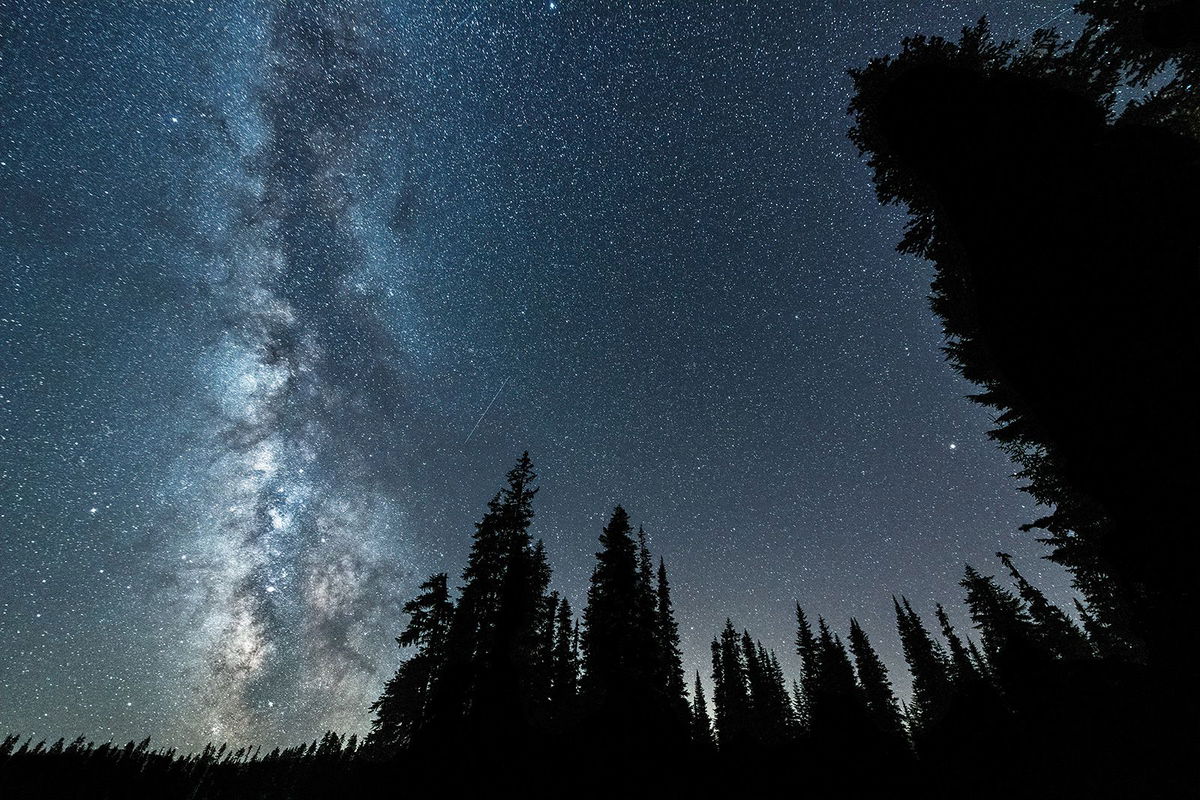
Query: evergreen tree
<point x="1010" y="639"/>
<point x="669" y="652"/>
<point x="731" y="695"/>
<point x="702" y="734"/>
<point x="965" y="666"/>
<point x="839" y="719"/>
<point x="931" y="687"/>
<point x="403" y="706"/>
<point x="877" y="688"/>
<point x="565" y="673"/>
<point x="1055" y="629"/>
<point x="484" y="688"/>
<point x="806" y="648"/>
<point x="773" y="711"/>
<point x="959" y="132"/>
<point x="620" y="645"/>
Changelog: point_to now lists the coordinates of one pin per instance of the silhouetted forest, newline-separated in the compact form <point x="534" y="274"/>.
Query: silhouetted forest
<point x="1063" y="222"/>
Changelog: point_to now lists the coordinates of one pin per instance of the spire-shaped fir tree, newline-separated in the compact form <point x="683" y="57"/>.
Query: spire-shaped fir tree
<point x="806" y="648"/>
<point x="403" y="706"/>
<point x="701" y="728"/>
<point x="1058" y="633"/>
<point x="877" y="687"/>
<point x="731" y="695"/>
<point x="931" y="686"/>
<point x="669" y="652"/>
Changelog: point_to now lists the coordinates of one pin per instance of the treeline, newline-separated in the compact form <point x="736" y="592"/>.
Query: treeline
<point x="84" y="769"/>
<point x="506" y="671"/>
<point x="503" y="687"/>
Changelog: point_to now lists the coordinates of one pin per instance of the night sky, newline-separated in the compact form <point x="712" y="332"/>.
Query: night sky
<point x="287" y="287"/>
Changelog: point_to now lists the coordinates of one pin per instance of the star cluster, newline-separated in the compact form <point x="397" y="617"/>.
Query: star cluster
<point x="289" y="285"/>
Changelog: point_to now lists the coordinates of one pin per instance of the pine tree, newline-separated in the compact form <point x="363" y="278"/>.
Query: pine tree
<point x="1010" y="639"/>
<point x="838" y="708"/>
<point x="483" y="688"/>
<point x="731" y="697"/>
<point x="1056" y="630"/>
<point x="403" y="706"/>
<point x="702" y="734"/>
<point x="669" y="652"/>
<point x="619" y="643"/>
<point x="565" y="673"/>
<point x="931" y="687"/>
<point x="964" y="668"/>
<point x="806" y="648"/>
<point x="877" y="687"/>
<point x="774" y="715"/>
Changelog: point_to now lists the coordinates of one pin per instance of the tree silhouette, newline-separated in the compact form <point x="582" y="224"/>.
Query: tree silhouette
<point x="877" y="687"/>
<point x="702" y="733"/>
<point x="1086" y="367"/>
<point x="731" y="694"/>
<point x="403" y="706"/>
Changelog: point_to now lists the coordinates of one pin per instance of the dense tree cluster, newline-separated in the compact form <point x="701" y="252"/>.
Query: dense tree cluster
<point x="1062" y="228"/>
<point x="507" y="668"/>
<point x="86" y="770"/>
<point x="1029" y="685"/>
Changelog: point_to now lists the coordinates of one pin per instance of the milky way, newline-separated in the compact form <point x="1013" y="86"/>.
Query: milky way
<point x="288" y="286"/>
<point x="286" y="572"/>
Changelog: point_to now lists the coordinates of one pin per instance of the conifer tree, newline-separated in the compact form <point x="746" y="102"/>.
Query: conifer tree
<point x="619" y="643"/>
<point x="403" y="706"/>
<point x="774" y="716"/>
<point x="670" y="654"/>
<point x="838" y="708"/>
<point x="1056" y="630"/>
<point x="1010" y="639"/>
<point x="483" y="685"/>
<point x="565" y="673"/>
<point x="962" y="663"/>
<point x="702" y="734"/>
<point x="731" y="697"/>
<point x="806" y="648"/>
<point x="931" y="687"/>
<point x="877" y="687"/>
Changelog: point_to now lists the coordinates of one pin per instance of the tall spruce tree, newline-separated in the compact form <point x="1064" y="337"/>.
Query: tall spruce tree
<point x="620" y="645"/>
<point x="483" y="687"/>
<point x="959" y="132"/>
<point x="1010" y="639"/>
<point x="669" y="653"/>
<point x="701" y="728"/>
<point x="403" y="706"/>
<point x="964" y="667"/>
<point x="1056" y="630"/>
<point x="731" y="694"/>
<point x="806" y="648"/>
<point x="565" y="674"/>
<point x="931" y="686"/>
<point x="839" y="719"/>
<point x="877" y="687"/>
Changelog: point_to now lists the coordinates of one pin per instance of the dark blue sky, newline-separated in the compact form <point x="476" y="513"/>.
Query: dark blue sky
<point x="266" y="264"/>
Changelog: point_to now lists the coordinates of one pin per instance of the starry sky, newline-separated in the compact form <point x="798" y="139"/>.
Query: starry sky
<point x="287" y="287"/>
